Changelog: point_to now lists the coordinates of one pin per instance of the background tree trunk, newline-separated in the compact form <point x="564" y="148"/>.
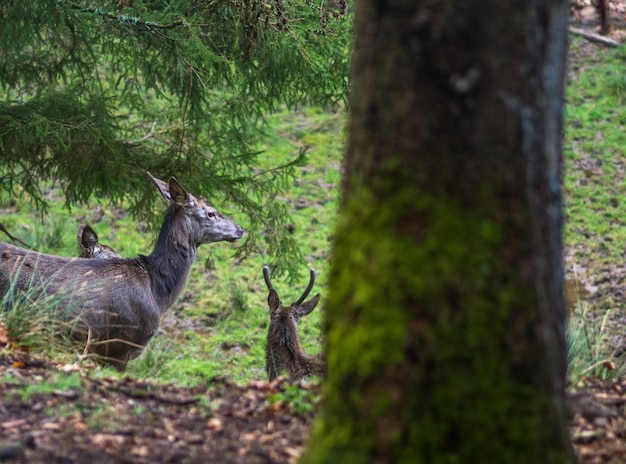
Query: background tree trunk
<point x="445" y="313"/>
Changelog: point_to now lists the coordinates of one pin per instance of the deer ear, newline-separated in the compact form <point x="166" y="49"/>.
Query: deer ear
<point x="308" y="306"/>
<point x="272" y="300"/>
<point x="79" y="235"/>
<point x="88" y="237"/>
<point x="178" y="194"/>
<point x="162" y="186"/>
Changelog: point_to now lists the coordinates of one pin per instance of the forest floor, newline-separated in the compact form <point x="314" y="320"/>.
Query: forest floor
<point x="597" y="405"/>
<point x="65" y="414"/>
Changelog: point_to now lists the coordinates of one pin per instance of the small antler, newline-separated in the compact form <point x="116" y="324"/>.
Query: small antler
<point x="307" y="290"/>
<point x="266" y="276"/>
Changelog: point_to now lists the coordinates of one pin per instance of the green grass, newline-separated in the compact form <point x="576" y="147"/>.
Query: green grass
<point x="60" y="382"/>
<point x="595" y="206"/>
<point x="218" y="327"/>
<point x="37" y="321"/>
<point x="300" y="401"/>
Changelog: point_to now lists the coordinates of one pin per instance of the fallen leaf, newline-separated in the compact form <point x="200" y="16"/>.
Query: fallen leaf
<point x="140" y="451"/>
<point x="4" y="334"/>
<point x="68" y="368"/>
<point x="13" y="424"/>
<point x="609" y="365"/>
<point x="215" y="424"/>
<point x="107" y="440"/>
<point x="17" y="347"/>
<point x="51" y="426"/>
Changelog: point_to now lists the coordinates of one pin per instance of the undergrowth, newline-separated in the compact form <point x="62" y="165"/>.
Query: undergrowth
<point x="36" y="321"/>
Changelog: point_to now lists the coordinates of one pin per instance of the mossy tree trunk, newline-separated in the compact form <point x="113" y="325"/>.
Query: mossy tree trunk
<point x="445" y="315"/>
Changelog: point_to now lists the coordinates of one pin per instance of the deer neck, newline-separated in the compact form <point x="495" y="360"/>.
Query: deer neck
<point x="291" y="341"/>
<point x="170" y="262"/>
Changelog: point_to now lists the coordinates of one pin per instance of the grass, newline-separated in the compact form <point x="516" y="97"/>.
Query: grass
<point x="59" y="383"/>
<point x="36" y="321"/>
<point x="218" y="327"/>
<point x="595" y="211"/>
<point x="300" y="401"/>
<point x="589" y="346"/>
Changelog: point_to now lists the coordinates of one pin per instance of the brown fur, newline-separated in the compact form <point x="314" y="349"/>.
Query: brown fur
<point x="116" y="304"/>
<point x="283" y="350"/>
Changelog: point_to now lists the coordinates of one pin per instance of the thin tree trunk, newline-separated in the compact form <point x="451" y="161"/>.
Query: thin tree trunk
<point x="445" y="315"/>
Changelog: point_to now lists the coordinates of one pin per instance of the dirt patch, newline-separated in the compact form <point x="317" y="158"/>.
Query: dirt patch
<point x="598" y="420"/>
<point x="127" y="421"/>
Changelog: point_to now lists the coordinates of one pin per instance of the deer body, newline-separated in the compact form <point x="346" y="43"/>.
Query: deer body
<point x="116" y="304"/>
<point x="283" y="350"/>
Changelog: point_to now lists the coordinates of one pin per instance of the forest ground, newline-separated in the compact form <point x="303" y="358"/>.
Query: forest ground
<point x="597" y="398"/>
<point x="66" y="414"/>
<point x="63" y="413"/>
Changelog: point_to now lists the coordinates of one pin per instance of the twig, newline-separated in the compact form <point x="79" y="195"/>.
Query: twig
<point x="149" y="134"/>
<point x="593" y="37"/>
<point x="15" y="239"/>
<point x="140" y="393"/>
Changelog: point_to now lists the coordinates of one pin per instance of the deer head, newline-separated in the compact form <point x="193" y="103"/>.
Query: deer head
<point x="90" y="247"/>
<point x="283" y="350"/>
<point x="207" y="224"/>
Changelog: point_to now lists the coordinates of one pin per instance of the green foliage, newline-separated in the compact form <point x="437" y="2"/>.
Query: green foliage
<point x="154" y="359"/>
<point x="237" y="297"/>
<point x="299" y="399"/>
<point x="59" y="383"/>
<point x="96" y="93"/>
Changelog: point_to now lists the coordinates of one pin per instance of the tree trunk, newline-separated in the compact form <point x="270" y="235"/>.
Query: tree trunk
<point x="445" y="316"/>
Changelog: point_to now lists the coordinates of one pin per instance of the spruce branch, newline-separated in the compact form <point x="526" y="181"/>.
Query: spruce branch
<point x="120" y="18"/>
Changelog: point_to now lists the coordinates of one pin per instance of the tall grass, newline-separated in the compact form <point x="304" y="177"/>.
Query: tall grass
<point x="35" y="319"/>
<point x="591" y="352"/>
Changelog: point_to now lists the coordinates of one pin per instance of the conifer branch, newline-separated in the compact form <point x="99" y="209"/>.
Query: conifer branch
<point x="122" y="19"/>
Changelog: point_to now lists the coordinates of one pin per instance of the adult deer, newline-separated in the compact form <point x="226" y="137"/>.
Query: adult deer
<point x="90" y="246"/>
<point x="116" y="304"/>
<point x="283" y="350"/>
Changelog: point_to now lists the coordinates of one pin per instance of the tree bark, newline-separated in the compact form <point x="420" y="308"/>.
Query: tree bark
<point x="445" y="315"/>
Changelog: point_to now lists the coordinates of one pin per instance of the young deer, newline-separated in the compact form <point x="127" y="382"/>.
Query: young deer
<point x="90" y="247"/>
<point x="116" y="304"/>
<point x="283" y="351"/>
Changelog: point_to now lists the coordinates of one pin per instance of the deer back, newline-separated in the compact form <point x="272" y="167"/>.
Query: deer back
<point x="102" y="299"/>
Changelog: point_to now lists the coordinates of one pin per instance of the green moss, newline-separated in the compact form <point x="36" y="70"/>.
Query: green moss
<point x="421" y="311"/>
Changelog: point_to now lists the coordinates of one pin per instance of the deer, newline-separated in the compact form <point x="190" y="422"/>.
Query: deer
<point x="90" y="246"/>
<point x="115" y="305"/>
<point x="283" y="350"/>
